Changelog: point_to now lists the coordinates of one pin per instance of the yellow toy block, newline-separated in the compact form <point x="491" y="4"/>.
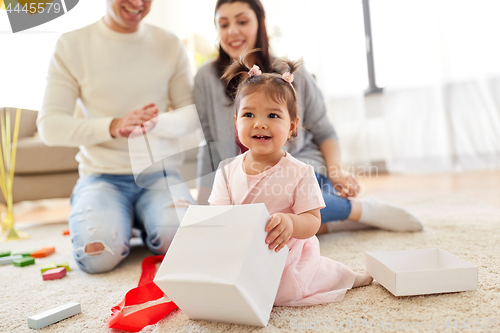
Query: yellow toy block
<point x="50" y="266"/>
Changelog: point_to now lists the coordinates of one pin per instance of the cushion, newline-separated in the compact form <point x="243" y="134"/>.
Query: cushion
<point x="34" y="157"/>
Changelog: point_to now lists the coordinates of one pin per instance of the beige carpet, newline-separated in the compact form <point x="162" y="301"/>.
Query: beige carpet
<point x="460" y="224"/>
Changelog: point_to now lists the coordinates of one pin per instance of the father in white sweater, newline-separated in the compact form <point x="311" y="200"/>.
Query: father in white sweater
<point x="103" y="81"/>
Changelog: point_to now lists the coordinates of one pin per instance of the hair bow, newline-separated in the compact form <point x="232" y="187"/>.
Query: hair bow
<point x="254" y="71"/>
<point x="288" y="77"/>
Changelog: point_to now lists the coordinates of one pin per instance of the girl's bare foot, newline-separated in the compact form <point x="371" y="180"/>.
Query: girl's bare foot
<point x="362" y="279"/>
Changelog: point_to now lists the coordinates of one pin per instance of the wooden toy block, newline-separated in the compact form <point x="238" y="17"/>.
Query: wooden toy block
<point x="24" y="262"/>
<point x="45" y="268"/>
<point x="66" y="232"/>
<point x="24" y="254"/>
<point x="54" y="315"/>
<point x="4" y="254"/>
<point x="64" y="264"/>
<point x="8" y="260"/>
<point x="42" y="253"/>
<point x="53" y="274"/>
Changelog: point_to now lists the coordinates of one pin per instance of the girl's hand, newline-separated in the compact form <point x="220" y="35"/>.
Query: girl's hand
<point x="280" y="230"/>
<point x="346" y="184"/>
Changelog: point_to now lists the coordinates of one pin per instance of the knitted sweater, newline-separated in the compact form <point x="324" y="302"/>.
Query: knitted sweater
<point x="97" y="74"/>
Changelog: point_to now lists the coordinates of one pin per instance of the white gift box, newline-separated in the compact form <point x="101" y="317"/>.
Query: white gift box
<point x="219" y="268"/>
<point x="420" y="272"/>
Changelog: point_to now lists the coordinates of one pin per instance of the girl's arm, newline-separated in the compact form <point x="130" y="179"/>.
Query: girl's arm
<point x="282" y="227"/>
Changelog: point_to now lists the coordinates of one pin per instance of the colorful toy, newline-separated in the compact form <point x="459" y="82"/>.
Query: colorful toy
<point x="53" y="274"/>
<point x="64" y="264"/>
<point x="66" y="232"/>
<point x="24" y="262"/>
<point x="24" y="254"/>
<point x="45" y="268"/>
<point x="54" y="315"/>
<point x="8" y="260"/>
<point x="4" y="254"/>
<point x="42" y="253"/>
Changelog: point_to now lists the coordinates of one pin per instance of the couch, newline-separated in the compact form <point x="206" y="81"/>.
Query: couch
<point x="43" y="172"/>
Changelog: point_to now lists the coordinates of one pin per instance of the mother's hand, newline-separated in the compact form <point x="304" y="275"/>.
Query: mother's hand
<point x="345" y="183"/>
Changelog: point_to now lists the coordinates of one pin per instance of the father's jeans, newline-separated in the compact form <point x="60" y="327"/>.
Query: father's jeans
<point x="104" y="208"/>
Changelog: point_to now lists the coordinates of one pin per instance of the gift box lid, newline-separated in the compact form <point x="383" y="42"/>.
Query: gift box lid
<point x="419" y="272"/>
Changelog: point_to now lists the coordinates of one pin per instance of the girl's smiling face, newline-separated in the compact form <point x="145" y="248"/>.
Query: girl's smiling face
<point x="237" y="26"/>
<point x="264" y="125"/>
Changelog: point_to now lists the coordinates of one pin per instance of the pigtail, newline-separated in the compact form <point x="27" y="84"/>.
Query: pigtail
<point x="285" y="68"/>
<point x="282" y="66"/>
<point x="237" y="67"/>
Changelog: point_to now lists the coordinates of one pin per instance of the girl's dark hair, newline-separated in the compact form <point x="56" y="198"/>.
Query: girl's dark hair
<point x="275" y="86"/>
<point x="262" y="57"/>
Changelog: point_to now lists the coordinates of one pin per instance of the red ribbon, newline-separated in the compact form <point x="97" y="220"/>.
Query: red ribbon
<point x="145" y="291"/>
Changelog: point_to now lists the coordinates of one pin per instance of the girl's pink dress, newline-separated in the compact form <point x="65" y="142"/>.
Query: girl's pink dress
<point x="288" y="187"/>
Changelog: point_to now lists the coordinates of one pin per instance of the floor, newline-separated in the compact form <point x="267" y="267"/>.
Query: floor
<point x="460" y="211"/>
<point x="482" y="184"/>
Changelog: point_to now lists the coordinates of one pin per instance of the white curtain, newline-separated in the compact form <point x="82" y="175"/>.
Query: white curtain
<point x="25" y="56"/>
<point x="437" y="60"/>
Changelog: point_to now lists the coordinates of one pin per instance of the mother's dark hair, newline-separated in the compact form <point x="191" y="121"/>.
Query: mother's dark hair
<point x="262" y="57"/>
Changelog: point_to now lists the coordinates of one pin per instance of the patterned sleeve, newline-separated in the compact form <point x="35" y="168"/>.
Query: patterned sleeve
<point x="307" y="194"/>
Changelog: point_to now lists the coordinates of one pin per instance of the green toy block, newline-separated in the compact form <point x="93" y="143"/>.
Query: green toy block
<point x="8" y="260"/>
<point x="4" y="253"/>
<point x="24" y="262"/>
<point x="24" y="254"/>
<point x="52" y="265"/>
<point x="64" y="264"/>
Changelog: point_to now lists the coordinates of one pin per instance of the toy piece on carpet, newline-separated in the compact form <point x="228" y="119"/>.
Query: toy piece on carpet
<point x="64" y="264"/>
<point x="24" y="254"/>
<point x="53" y="274"/>
<point x="65" y="232"/>
<point x="24" y="262"/>
<point x="4" y="254"/>
<point x="52" y="316"/>
<point x="42" y="253"/>
<point x="47" y="267"/>
<point x="8" y="260"/>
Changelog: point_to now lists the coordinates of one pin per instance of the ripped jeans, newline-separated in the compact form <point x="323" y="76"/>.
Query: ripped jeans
<point x="104" y="208"/>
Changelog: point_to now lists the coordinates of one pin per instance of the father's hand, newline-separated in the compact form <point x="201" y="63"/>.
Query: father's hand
<point x="126" y="126"/>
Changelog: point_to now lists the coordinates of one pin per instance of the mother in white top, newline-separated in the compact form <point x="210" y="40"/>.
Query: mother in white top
<point x="104" y="80"/>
